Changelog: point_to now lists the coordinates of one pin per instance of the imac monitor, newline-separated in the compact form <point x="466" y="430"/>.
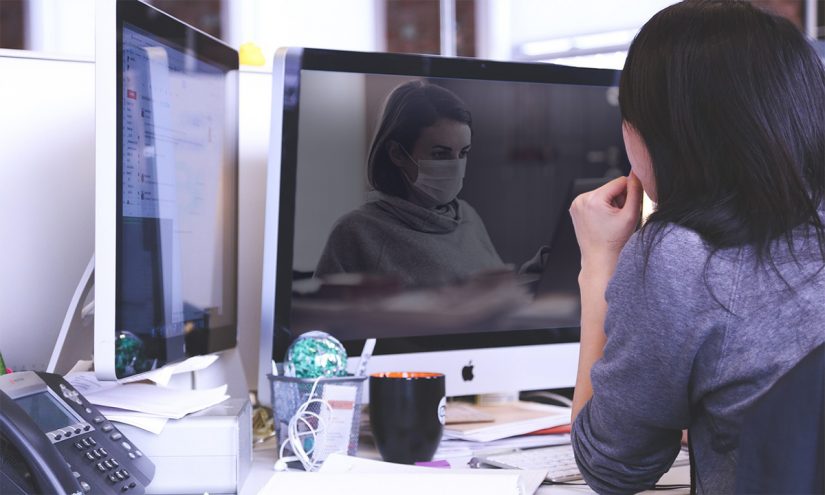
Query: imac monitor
<point x="423" y="201"/>
<point x="166" y="191"/>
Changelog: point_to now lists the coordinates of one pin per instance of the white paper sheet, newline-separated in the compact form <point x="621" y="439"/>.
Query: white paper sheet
<point x="157" y="400"/>
<point x="163" y="375"/>
<point x="511" y="419"/>
<point x="450" y="448"/>
<point x="344" y="474"/>
<point x="87" y="383"/>
<point x="148" y="422"/>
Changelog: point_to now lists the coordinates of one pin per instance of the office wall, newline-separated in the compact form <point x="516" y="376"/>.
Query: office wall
<point x="333" y="142"/>
<point x="349" y="25"/>
<point x="46" y="198"/>
<point x="254" y="109"/>
<point x="47" y="163"/>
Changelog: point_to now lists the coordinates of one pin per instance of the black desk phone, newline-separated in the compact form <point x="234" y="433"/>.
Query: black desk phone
<point x="52" y="440"/>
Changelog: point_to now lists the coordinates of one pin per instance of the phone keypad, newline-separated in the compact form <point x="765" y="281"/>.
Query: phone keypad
<point x="109" y="467"/>
<point x="119" y="475"/>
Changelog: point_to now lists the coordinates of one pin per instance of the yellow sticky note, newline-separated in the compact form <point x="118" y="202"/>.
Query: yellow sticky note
<point x="251" y="54"/>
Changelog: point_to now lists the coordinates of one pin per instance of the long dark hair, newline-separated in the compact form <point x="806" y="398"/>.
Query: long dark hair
<point x="409" y="108"/>
<point x="730" y="101"/>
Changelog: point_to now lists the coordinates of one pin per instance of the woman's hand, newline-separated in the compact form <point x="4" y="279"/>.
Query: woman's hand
<point x="604" y="219"/>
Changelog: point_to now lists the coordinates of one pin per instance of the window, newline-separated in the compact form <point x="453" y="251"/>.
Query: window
<point x="12" y="20"/>
<point x="414" y="26"/>
<point x="202" y="14"/>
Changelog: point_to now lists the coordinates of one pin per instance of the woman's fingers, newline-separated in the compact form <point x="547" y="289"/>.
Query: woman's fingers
<point x="634" y="194"/>
<point x="606" y="217"/>
<point x="613" y="193"/>
<point x="623" y="193"/>
<point x="606" y="198"/>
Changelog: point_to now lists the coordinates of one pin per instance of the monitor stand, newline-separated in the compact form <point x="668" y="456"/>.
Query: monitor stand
<point x="75" y="342"/>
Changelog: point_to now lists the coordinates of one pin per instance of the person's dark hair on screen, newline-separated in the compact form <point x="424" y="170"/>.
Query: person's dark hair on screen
<point x="408" y="110"/>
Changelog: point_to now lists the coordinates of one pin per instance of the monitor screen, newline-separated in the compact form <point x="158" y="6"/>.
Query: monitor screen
<point x="424" y="201"/>
<point x="175" y="192"/>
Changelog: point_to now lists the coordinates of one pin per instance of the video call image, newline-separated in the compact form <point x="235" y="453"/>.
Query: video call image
<point x="440" y="206"/>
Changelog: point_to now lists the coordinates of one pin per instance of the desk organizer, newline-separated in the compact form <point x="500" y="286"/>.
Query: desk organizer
<point x="288" y="393"/>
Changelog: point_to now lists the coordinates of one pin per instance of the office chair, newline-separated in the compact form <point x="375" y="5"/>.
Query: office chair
<point x="782" y="441"/>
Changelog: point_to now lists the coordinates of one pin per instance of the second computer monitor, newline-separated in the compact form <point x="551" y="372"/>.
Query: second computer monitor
<point x="423" y="201"/>
<point x="166" y="218"/>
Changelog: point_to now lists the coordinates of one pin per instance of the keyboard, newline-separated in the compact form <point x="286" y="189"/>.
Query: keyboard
<point x="558" y="460"/>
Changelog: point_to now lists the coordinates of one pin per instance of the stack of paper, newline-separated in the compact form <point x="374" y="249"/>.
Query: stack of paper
<point x="344" y="474"/>
<point x="147" y="406"/>
<point x="509" y="420"/>
<point x="451" y="448"/>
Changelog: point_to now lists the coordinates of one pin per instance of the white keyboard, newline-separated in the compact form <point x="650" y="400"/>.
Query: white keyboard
<point x="558" y="460"/>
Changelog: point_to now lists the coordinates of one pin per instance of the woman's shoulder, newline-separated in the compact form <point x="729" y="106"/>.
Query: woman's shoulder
<point x="466" y="210"/>
<point x="662" y="273"/>
<point x="368" y="216"/>
<point x="464" y="205"/>
<point x="676" y="264"/>
<point x="669" y="246"/>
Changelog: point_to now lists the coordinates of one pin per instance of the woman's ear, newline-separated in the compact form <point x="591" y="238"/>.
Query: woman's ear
<point x="402" y="160"/>
<point x="397" y="155"/>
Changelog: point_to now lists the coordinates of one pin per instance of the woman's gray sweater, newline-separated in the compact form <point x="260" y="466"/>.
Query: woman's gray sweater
<point x="692" y="341"/>
<point x="422" y="246"/>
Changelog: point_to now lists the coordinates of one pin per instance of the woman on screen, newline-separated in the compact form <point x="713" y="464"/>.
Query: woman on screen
<point x="723" y="289"/>
<point x="415" y="226"/>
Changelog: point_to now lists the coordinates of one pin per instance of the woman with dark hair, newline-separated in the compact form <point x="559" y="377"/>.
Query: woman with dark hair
<point x="722" y="290"/>
<point x="414" y="226"/>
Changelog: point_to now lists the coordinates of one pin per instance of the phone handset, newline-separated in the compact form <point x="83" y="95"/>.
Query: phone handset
<point x="56" y="438"/>
<point x="47" y="465"/>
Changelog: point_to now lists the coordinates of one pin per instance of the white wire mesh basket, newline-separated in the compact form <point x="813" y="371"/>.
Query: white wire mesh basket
<point x="289" y="393"/>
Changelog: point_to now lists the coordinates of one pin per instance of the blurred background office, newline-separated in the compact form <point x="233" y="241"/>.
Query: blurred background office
<point x="586" y="32"/>
<point x="47" y="123"/>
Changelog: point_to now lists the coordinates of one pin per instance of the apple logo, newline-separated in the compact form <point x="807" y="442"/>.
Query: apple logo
<point x="467" y="372"/>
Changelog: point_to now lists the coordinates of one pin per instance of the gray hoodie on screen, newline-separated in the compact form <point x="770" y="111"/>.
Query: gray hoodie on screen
<point x="423" y="246"/>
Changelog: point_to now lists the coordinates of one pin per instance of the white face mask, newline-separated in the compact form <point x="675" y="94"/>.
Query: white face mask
<point x="440" y="180"/>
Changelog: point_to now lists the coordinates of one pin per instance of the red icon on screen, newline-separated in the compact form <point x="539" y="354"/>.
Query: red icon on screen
<point x="131" y="94"/>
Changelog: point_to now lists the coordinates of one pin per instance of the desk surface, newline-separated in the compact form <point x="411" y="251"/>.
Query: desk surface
<point x="264" y="459"/>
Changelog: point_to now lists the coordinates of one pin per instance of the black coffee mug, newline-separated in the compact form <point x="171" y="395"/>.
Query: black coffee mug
<point x="407" y="411"/>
